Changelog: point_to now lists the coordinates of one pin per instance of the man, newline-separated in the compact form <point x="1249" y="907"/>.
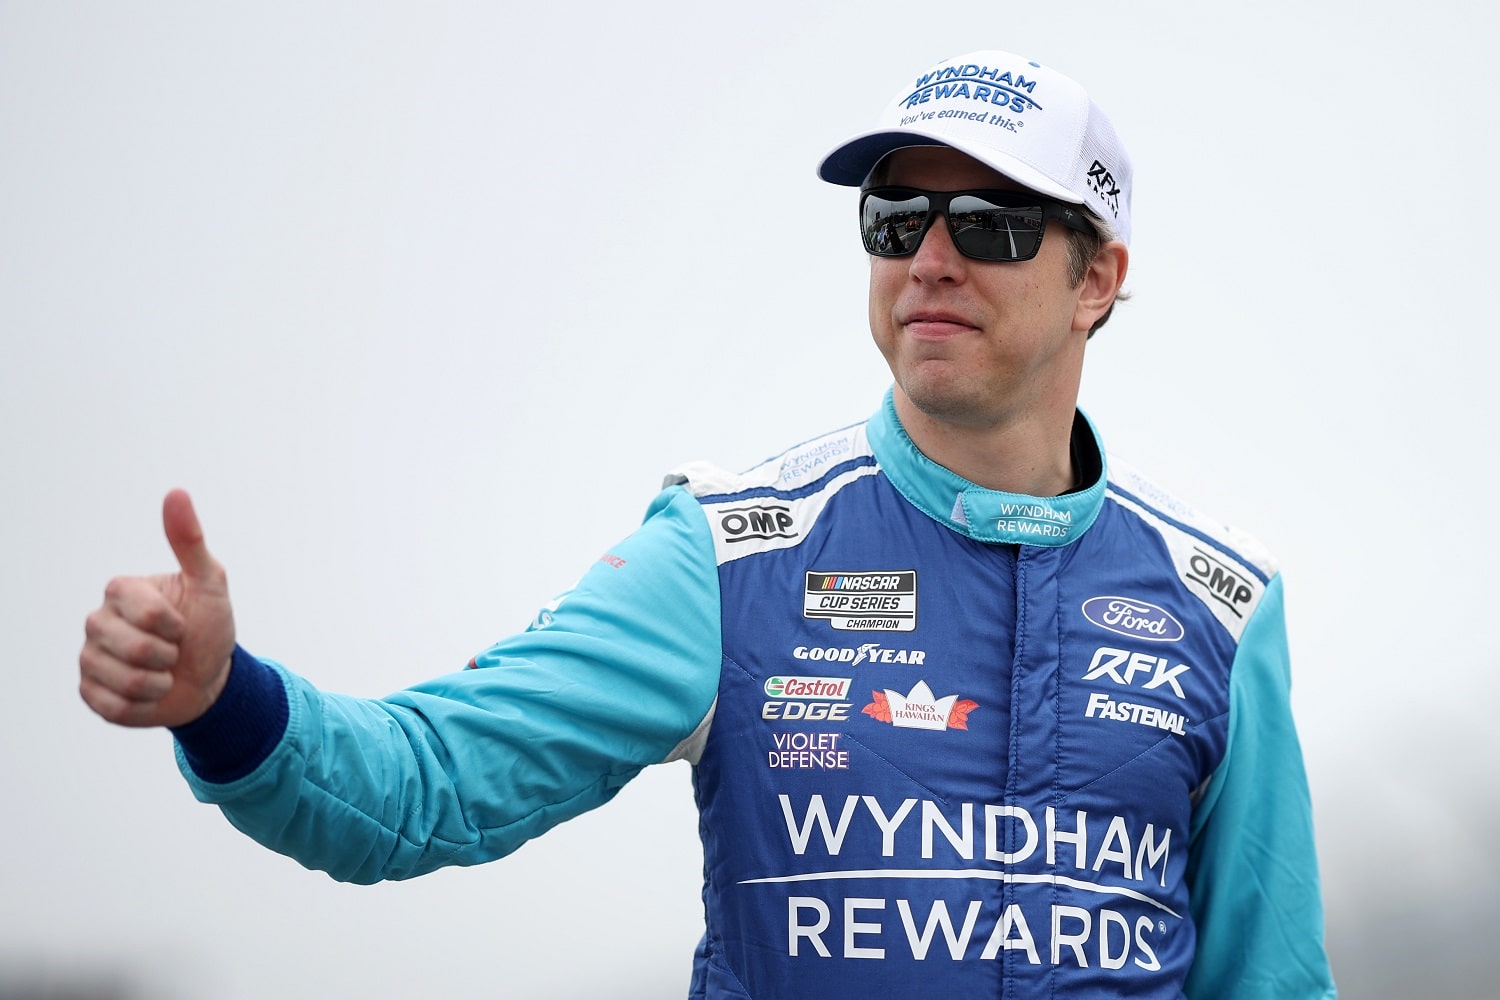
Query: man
<point x="968" y="708"/>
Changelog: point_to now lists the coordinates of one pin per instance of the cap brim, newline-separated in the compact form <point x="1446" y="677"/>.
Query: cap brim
<point x="851" y="162"/>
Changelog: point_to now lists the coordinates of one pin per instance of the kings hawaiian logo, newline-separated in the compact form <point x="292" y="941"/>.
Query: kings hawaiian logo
<point x="1135" y="618"/>
<point x="919" y="709"/>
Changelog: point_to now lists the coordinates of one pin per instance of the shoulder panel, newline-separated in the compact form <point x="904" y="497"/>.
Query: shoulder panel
<point x="1222" y="566"/>
<point x="773" y="505"/>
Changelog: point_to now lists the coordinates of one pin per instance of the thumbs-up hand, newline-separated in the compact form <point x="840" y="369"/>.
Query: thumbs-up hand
<point x="156" y="652"/>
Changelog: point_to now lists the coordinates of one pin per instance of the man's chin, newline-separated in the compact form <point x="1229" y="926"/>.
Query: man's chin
<point x="948" y="400"/>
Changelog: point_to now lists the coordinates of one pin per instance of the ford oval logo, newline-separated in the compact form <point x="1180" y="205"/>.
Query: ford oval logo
<point x="1137" y="619"/>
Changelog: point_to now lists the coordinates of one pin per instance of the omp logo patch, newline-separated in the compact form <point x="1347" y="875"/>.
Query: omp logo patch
<point x="757" y="521"/>
<point x="1223" y="580"/>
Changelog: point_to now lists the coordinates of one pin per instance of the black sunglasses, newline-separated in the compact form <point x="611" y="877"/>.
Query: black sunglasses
<point x="985" y="225"/>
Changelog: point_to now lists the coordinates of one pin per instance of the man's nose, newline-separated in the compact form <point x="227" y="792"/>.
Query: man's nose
<point x="937" y="259"/>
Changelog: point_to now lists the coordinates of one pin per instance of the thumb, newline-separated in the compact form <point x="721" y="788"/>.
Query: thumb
<point x="185" y="535"/>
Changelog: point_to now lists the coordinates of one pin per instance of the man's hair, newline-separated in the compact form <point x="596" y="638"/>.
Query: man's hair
<point x="1082" y="249"/>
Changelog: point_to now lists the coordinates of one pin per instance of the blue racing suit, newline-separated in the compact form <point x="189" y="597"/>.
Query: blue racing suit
<point x="943" y="738"/>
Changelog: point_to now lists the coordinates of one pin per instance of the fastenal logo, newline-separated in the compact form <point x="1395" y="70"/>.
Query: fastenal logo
<point x="870" y="652"/>
<point x="821" y="688"/>
<point x="871" y="601"/>
<point x="763" y="521"/>
<point x="1224" y="582"/>
<point x="1102" y="706"/>
<point x="919" y="709"/>
<point x="1137" y="619"/>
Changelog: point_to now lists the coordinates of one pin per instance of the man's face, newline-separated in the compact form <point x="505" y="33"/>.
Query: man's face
<point x="974" y="343"/>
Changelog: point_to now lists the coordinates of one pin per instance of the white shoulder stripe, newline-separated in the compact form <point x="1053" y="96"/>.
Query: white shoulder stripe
<point x="793" y="469"/>
<point x="772" y="505"/>
<point x="744" y="526"/>
<point x="1238" y="543"/>
<point x="1225" y="568"/>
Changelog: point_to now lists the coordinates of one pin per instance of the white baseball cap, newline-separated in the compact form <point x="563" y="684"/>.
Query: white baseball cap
<point x="1031" y="123"/>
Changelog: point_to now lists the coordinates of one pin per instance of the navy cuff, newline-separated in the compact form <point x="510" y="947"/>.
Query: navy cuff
<point x="240" y="730"/>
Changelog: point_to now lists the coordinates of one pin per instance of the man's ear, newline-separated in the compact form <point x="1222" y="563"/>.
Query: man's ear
<point x="1100" y="285"/>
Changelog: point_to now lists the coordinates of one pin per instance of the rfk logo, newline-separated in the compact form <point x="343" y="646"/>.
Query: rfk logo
<point x="1103" y="182"/>
<point x="1107" y="663"/>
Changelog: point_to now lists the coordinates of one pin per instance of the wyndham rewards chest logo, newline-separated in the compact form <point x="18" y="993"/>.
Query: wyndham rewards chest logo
<point x="1135" y="618"/>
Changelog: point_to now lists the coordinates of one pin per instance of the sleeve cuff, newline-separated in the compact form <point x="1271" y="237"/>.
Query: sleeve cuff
<point x="240" y="730"/>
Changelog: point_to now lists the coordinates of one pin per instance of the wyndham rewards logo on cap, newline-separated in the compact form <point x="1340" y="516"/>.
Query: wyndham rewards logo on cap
<point x="1030" y="123"/>
<point x="989" y="84"/>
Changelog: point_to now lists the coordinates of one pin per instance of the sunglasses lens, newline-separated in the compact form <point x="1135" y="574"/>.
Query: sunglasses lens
<point x="892" y="227"/>
<point x="988" y="231"/>
<point x="891" y="222"/>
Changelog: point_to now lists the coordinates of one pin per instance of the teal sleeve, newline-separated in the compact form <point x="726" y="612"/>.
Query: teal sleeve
<point x="1252" y="868"/>
<point x="618" y="674"/>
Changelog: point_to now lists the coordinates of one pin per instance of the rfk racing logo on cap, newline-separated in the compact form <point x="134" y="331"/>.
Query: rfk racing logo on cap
<point x="880" y="601"/>
<point x="1103" y="183"/>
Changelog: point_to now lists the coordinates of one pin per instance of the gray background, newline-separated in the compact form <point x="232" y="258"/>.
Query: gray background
<point x="420" y="300"/>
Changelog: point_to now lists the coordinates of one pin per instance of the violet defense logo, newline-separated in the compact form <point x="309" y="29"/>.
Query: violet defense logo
<point x="1137" y="619"/>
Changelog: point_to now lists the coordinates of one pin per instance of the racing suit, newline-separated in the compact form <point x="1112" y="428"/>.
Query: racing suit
<point x="942" y="737"/>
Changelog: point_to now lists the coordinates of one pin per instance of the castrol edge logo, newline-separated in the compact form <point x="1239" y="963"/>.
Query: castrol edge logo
<point x="1137" y="619"/>
<point x="790" y="698"/>
<point x="810" y="688"/>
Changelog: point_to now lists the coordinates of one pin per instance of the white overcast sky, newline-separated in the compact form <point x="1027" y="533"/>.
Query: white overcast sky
<point x="420" y="301"/>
